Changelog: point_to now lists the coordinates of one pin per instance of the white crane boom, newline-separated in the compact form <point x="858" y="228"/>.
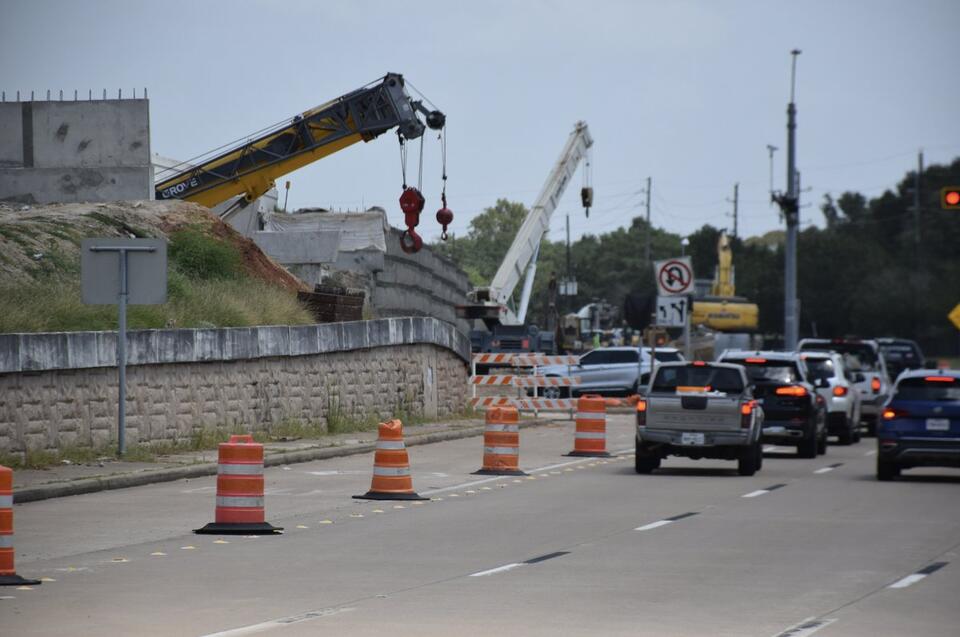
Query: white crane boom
<point x="521" y="258"/>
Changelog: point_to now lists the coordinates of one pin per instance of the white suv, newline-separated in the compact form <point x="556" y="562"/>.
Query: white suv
<point x="828" y="374"/>
<point x="608" y="370"/>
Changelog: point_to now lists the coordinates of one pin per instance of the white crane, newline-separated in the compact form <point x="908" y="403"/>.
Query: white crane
<point x="492" y="304"/>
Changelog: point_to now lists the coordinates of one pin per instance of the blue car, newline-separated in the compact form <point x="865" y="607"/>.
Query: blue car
<point x="920" y="424"/>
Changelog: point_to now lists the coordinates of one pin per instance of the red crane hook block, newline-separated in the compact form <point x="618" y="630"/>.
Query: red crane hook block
<point x="444" y="217"/>
<point x="412" y="203"/>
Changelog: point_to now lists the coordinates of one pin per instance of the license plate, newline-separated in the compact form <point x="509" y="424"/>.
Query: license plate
<point x="774" y="430"/>
<point x="687" y="438"/>
<point x="938" y="424"/>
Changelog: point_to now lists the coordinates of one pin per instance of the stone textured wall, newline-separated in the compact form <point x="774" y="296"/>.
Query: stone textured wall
<point x="65" y="404"/>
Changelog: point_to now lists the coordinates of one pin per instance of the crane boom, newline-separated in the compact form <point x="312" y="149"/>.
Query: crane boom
<point x="520" y="260"/>
<point x="250" y="168"/>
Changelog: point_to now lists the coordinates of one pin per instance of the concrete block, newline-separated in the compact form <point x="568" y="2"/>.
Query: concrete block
<point x="378" y="333"/>
<point x="82" y="349"/>
<point x="240" y="343"/>
<point x="101" y="133"/>
<point x="11" y="134"/>
<point x="273" y="340"/>
<point x="304" y="340"/>
<point x="208" y="344"/>
<point x="75" y="184"/>
<point x="419" y="329"/>
<point x="43" y="351"/>
<point x="141" y="347"/>
<point x="9" y="353"/>
<point x="300" y="247"/>
<point x="330" y="337"/>
<point x="354" y="335"/>
<point x="106" y="349"/>
<point x="176" y="346"/>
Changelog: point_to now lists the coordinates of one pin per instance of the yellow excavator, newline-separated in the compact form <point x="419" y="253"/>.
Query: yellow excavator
<point x="723" y="310"/>
<point x="251" y="167"/>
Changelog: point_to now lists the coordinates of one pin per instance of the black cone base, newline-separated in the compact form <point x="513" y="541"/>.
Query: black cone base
<point x="16" y="580"/>
<point x="588" y="454"/>
<point x="499" y="472"/>
<point x="239" y="528"/>
<point x="380" y="495"/>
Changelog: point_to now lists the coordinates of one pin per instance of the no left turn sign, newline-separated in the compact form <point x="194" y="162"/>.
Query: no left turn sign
<point x="674" y="276"/>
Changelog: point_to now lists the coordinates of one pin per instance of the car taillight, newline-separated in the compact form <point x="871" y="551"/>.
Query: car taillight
<point x="746" y="413"/>
<point x="525" y="343"/>
<point x="642" y="413"/>
<point x="792" y="390"/>
<point x="891" y="413"/>
<point x="839" y="391"/>
<point x="875" y="385"/>
<point x="699" y="364"/>
<point x="939" y="379"/>
<point x="756" y="361"/>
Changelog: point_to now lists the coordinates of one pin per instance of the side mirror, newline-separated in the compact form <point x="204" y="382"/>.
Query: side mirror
<point x="820" y="382"/>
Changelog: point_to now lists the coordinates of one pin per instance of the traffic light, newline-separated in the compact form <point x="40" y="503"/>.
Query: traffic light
<point x="950" y="198"/>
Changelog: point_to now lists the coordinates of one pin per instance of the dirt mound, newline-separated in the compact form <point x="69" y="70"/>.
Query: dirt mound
<point x="44" y="240"/>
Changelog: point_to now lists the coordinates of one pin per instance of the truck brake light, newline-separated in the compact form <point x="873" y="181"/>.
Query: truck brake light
<point x="746" y="413"/>
<point x="642" y="405"/>
<point x="641" y="413"/>
<point x="875" y="384"/>
<point x="792" y="390"/>
<point x="756" y="361"/>
<point x="939" y="379"/>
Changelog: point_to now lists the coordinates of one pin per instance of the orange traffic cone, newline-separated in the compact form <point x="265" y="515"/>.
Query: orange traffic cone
<point x="391" y="467"/>
<point x="8" y="574"/>
<point x="590" y="438"/>
<point x="239" y="509"/>
<point x="501" y="443"/>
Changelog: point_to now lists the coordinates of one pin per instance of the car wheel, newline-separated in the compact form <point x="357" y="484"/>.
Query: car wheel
<point x="855" y="434"/>
<point x="822" y="444"/>
<point x="872" y="426"/>
<point x="845" y="436"/>
<point x="643" y="461"/>
<point x="749" y="462"/>
<point x="807" y="447"/>
<point x="553" y="392"/>
<point x="886" y="470"/>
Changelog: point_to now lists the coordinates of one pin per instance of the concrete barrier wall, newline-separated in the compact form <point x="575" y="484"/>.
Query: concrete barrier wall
<point x="60" y="389"/>
<point x="73" y="151"/>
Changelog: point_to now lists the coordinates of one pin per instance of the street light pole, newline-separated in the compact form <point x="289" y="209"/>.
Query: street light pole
<point x="790" y="206"/>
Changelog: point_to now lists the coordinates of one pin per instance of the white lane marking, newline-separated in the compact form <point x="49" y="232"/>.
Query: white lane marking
<point x="808" y="626"/>
<point x="499" y="569"/>
<point x="824" y="470"/>
<point x="197" y="490"/>
<point x="473" y="483"/>
<point x="872" y="452"/>
<point x="653" y="525"/>
<point x="909" y="580"/>
<point x="754" y="494"/>
<point x="279" y="623"/>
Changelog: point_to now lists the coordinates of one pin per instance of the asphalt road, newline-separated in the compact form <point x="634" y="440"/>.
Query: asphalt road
<point x="581" y="547"/>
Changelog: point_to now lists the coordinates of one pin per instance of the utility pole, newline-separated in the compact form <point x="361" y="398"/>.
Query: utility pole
<point x="790" y="207"/>
<point x="916" y="207"/>
<point x="736" y="198"/>
<point x="646" y="256"/>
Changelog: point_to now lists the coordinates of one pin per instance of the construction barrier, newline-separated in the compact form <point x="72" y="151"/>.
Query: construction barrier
<point x="8" y="574"/>
<point x="525" y="359"/>
<point x="501" y="443"/>
<point x="522" y="382"/>
<point x="525" y="381"/>
<point x="391" y="467"/>
<point x="525" y="404"/>
<point x="239" y="508"/>
<point x="590" y="438"/>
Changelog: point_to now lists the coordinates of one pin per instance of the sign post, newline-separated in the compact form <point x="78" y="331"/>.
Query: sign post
<point x="675" y="285"/>
<point x="123" y="271"/>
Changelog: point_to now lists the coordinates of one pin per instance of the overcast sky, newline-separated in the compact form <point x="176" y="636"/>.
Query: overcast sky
<point x="688" y="93"/>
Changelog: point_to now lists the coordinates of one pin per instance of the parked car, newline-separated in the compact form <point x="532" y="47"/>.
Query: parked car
<point x="900" y="354"/>
<point x="920" y="424"/>
<point x="828" y="374"/>
<point x="868" y="371"/>
<point x="607" y="370"/>
<point x="794" y="413"/>
<point x="699" y="410"/>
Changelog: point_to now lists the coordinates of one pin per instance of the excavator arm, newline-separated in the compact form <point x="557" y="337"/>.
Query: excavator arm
<point x="251" y="168"/>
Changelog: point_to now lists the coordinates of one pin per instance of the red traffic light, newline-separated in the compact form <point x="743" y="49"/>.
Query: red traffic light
<point x="950" y="198"/>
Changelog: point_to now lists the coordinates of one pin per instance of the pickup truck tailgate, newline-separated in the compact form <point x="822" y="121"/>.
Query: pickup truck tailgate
<point x="697" y="412"/>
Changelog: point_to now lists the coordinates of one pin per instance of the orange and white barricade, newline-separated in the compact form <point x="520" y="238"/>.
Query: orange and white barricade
<point x="391" y="467"/>
<point x="590" y="438"/>
<point x="240" y="500"/>
<point x="8" y="574"/>
<point x="501" y="443"/>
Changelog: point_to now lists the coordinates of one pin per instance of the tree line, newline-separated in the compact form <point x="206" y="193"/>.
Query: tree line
<point x="878" y="267"/>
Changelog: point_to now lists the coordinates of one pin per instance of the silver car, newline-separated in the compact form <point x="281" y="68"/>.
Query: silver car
<point x="608" y="370"/>
<point x="835" y="384"/>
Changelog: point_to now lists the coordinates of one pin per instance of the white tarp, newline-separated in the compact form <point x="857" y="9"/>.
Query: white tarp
<point x="357" y="230"/>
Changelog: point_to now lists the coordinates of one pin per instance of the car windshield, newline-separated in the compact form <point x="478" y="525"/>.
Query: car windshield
<point x="768" y="371"/>
<point x="667" y="357"/>
<point x="821" y="368"/>
<point x="857" y="357"/>
<point x="721" y="379"/>
<point x="932" y="388"/>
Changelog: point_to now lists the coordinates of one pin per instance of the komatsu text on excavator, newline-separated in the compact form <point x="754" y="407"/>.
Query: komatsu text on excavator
<point x="250" y="168"/>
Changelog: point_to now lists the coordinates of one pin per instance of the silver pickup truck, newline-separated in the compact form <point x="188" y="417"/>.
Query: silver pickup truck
<point x="699" y="410"/>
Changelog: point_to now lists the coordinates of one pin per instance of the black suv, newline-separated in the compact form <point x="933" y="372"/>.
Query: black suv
<point x="794" y="414"/>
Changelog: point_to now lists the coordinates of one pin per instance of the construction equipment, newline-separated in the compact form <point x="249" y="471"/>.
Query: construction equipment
<point x="493" y="304"/>
<point x="722" y="309"/>
<point x="250" y="168"/>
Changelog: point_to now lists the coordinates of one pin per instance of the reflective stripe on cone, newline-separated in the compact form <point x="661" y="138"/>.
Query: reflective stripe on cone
<point x="391" y="466"/>
<point x="240" y="498"/>
<point x="8" y="574"/>
<point x="590" y="438"/>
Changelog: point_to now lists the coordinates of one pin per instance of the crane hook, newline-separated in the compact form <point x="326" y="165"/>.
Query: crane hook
<point x="444" y="216"/>
<point x="412" y="203"/>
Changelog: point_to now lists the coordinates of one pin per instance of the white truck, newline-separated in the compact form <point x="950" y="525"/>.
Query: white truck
<point x="699" y="410"/>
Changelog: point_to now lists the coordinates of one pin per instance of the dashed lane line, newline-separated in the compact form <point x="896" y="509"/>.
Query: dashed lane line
<point x="913" y="578"/>
<point x="872" y="452"/>
<point x="759" y="492"/>
<point x="513" y="565"/>
<point x="808" y="626"/>
<point x="665" y="521"/>
<point x="829" y="468"/>
<point x="279" y="623"/>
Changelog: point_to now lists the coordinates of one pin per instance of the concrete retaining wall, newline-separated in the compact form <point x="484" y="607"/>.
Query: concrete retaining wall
<point x="61" y="389"/>
<point x="73" y="151"/>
